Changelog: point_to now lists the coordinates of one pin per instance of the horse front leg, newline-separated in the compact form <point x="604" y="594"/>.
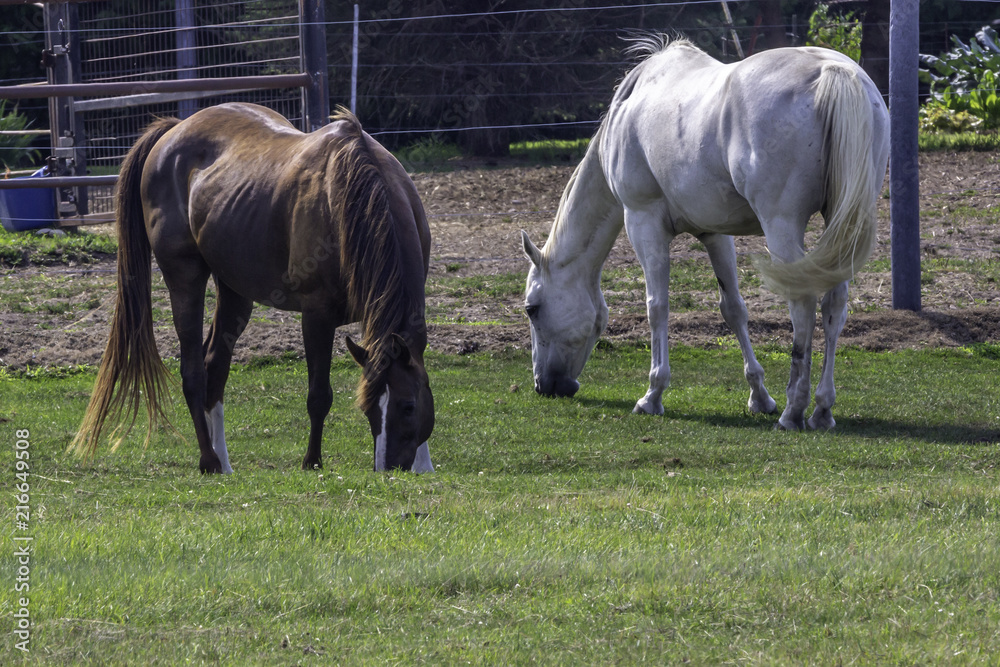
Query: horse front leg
<point x="722" y="253"/>
<point x="834" y="312"/>
<point x="317" y="338"/>
<point x="803" y="312"/>
<point x="651" y="243"/>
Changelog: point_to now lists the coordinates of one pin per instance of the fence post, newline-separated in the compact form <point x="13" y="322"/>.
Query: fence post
<point x="187" y="58"/>
<point x="354" y="63"/>
<point x="62" y="60"/>
<point x="904" y="168"/>
<point x="312" y="37"/>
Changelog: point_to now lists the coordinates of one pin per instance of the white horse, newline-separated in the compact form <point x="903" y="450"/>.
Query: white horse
<point x="693" y="145"/>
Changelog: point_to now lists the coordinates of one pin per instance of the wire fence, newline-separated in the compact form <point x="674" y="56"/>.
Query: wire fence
<point x="189" y="40"/>
<point x="420" y="74"/>
<point x="495" y="80"/>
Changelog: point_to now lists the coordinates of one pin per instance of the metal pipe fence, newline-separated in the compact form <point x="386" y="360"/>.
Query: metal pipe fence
<point x="146" y="58"/>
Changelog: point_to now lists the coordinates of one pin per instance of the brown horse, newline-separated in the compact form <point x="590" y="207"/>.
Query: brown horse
<point x="327" y="224"/>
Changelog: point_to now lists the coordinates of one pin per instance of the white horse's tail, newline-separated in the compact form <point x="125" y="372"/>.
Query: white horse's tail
<point x="852" y="188"/>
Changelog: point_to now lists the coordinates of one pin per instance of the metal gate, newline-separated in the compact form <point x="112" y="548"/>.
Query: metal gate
<point x="135" y="60"/>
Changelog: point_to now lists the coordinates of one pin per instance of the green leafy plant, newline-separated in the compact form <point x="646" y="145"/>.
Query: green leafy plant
<point x="840" y="33"/>
<point x="427" y="152"/>
<point x="965" y="79"/>
<point x="14" y="149"/>
<point x="936" y="116"/>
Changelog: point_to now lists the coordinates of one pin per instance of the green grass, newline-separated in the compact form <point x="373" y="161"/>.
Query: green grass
<point x="982" y="274"/>
<point x="21" y="248"/>
<point x="72" y="295"/>
<point x="554" y="150"/>
<point x="554" y="531"/>
<point x="434" y="154"/>
<point x="429" y="154"/>
<point x="961" y="141"/>
<point x="500" y="285"/>
<point x="693" y="285"/>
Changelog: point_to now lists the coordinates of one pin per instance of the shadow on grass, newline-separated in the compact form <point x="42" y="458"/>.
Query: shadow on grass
<point x="955" y="434"/>
<point x="952" y="434"/>
<point x="612" y="404"/>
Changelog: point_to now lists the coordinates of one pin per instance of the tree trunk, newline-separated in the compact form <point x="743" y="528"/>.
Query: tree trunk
<point x="875" y="44"/>
<point x="772" y="26"/>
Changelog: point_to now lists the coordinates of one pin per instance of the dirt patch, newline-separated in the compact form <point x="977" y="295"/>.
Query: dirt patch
<point x="476" y="216"/>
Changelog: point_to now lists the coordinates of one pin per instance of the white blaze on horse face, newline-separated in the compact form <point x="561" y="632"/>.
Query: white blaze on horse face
<point x="422" y="462"/>
<point x="380" y="439"/>
<point x="217" y="431"/>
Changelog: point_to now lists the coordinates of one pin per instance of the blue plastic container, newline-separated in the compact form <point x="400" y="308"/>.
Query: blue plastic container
<point x="30" y="208"/>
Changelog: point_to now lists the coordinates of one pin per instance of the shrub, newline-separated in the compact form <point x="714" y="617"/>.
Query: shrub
<point x="965" y="78"/>
<point x="936" y="116"/>
<point x="840" y="33"/>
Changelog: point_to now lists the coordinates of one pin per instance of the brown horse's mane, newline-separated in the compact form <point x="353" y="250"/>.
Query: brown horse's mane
<point x="370" y="255"/>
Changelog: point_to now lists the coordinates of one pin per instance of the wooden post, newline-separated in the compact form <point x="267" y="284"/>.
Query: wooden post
<point x="904" y="168"/>
<point x="732" y="29"/>
<point x="312" y="39"/>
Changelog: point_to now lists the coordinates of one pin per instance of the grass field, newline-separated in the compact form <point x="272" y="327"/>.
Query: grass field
<point x="554" y="532"/>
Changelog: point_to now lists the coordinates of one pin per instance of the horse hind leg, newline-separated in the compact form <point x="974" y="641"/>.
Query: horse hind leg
<point x="803" y="312"/>
<point x="232" y="313"/>
<point x="834" y="313"/>
<point x="722" y="253"/>
<point x="784" y="222"/>
<point x="186" y="282"/>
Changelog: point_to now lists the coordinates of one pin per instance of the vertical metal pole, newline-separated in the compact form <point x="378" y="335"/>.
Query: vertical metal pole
<point x="62" y="58"/>
<point x="187" y="59"/>
<point x="312" y="40"/>
<point x="904" y="169"/>
<point x="354" y="64"/>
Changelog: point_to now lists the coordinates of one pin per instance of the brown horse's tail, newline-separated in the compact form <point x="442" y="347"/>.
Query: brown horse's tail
<point x="131" y="361"/>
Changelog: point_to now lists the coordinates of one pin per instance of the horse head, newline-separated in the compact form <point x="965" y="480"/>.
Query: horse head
<point x="567" y="313"/>
<point x="402" y="417"/>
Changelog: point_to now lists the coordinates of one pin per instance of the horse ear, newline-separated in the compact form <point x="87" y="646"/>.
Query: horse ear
<point x="359" y="353"/>
<point x="530" y="250"/>
<point x="400" y="350"/>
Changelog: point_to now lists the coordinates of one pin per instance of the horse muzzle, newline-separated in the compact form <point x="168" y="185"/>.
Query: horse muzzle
<point x="559" y="386"/>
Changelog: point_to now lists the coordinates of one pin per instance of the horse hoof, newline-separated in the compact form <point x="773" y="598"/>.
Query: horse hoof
<point x="768" y="407"/>
<point x="210" y="466"/>
<point x="821" y="423"/>
<point x="646" y="409"/>
<point x="789" y="425"/>
<point x="312" y="465"/>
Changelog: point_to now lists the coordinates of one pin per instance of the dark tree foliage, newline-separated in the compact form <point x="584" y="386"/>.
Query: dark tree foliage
<point x="514" y="67"/>
<point x="21" y="42"/>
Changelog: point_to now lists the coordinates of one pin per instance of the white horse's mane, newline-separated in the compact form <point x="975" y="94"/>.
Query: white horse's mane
<point x="644" y="45"/>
